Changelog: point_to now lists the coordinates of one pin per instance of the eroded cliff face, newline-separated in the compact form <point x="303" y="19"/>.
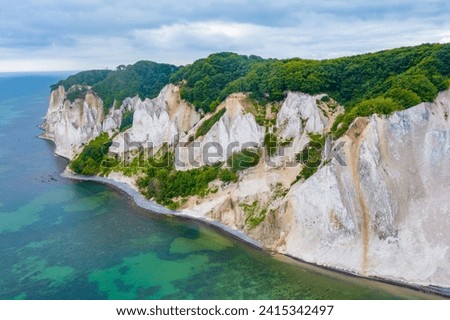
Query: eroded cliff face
<point x="386" y="212"/>
<point x="302" y="114"/>
<point x="72" y="124"/>
<point x="255" y="204"/>
<point x="382" y="210"/>
<point x="113" y="119"/>
<point x="156" y="121"/>
<point x="299" y="112"/>
<point x="236" y="129"/>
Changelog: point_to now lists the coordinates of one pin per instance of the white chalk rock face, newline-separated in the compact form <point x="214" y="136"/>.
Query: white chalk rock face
<point x="383" y="211"/>
<point x="72" y="124"/>
<point x="386" y="213"/>
<point x="299" y="113"/>
<point x="236" y="129"/>
<point x="156" y="121"/>
<point x="112" y="120"/>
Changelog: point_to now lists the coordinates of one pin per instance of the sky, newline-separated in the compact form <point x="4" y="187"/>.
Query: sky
<point x="55" y="35"/>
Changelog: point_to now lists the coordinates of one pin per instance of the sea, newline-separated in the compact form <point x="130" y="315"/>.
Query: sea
<point x="63" y="239"/>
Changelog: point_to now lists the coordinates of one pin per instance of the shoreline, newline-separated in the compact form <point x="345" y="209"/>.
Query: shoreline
<point x="140" y="201"/>
<point x="154" y="208"/>
<point x="440" y="292"/>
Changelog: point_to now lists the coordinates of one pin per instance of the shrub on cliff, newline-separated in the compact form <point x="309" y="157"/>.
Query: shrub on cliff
<point x="127" y="121"/>
<point x="93" y="159"/>
<point x="207" y="124"/>
<point x="163" y="182"/>
<point x="244" y="159"/>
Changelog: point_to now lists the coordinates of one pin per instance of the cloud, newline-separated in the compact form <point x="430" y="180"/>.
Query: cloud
<point x="445" y="37"/>
<point x="309" y="39"/>
<point x="55" y="35"/>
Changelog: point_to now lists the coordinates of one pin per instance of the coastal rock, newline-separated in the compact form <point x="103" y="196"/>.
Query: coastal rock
<point x="236" y="129"/>
<point x="302" y="114"/>
<point x="155" y="122"/>
<point x="382" y="211"/>
<point x="72" y="124"/>
<point x="298" y="113"/>
<point x="385" y="213"/>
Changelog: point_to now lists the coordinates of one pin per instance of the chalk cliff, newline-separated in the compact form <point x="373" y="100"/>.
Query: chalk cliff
<point x="382" y="211"/>
<point x="386" y="212"/>
<point x="236" y="129"/>
<point x="156" y="121"/>
<point x="72" y="124"/>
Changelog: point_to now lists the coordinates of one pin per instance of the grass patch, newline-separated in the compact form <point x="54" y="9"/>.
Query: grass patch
<point x="254" y="215"/>
<point x="163" y="183"/>
<point x="244" y="159"/>
<point x="94" y="157"/>
<point x="207" y="124"/>
<point x="311" y="156"/>
<point x="127" y="121"/>
<point x="271" y="143"/>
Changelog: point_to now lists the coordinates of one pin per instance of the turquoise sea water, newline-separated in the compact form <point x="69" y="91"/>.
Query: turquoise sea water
<point x="61" y="239"/>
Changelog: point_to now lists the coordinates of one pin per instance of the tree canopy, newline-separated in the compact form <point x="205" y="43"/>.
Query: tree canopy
<point x="402" y="77"/>
<point x="416" y="73"/>
<point x="84" y="78"/>
<point x="144" y="78"/>
<point x="203" y="81"/>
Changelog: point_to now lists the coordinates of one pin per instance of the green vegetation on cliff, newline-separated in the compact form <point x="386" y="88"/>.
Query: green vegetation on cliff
<point x="208" y="123"/>
<point x="244" y="159"/>
<point x="163" y="183"/>
<point x="254" y="214"/>
<point x="311" y="156"/>
<point x="77" y="93"/>
<point x="403" y="77"/>
<point x="144" y="78"/>
<point x="271" y="143"/>
<point x="418" y="72"/>
<point x="379" y="105"/>
<point x="93" y="159"/>
<point x="127" y="121"/>
<point x="204" y="80"/>
<point x="84" y="78"/>
<point x="399" y="78"/>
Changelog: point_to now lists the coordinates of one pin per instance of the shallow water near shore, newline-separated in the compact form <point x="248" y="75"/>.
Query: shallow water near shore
<point x="63" y="239"/>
